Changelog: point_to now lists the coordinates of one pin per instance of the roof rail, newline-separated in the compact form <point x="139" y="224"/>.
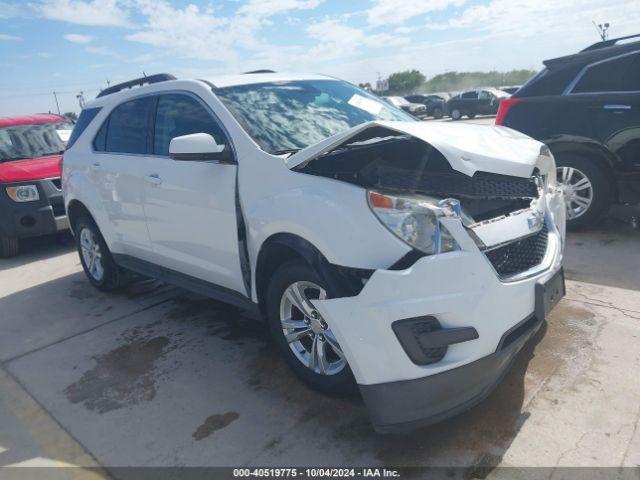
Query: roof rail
<point x="138" y="82"/>
<point x="608" y="43"/>
<point x="259" y="71"/>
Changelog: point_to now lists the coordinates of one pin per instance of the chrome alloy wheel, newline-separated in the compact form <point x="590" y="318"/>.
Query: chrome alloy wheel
<point x="309" y="337"/>
<point x="577" y="191"/>
<point x="91" y="254"/>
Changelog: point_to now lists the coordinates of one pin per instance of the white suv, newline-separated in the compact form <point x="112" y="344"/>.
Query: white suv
<point x="416" y="258"/>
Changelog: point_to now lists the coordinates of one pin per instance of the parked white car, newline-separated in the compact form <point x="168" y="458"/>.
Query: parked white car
<point x="414" y="258"/>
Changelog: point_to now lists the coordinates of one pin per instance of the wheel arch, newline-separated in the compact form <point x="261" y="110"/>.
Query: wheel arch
<point x="283" y="247"/>
<point x="588" y="148"/>
<point x="595" y="150"/>
<point x="75" y="210"/>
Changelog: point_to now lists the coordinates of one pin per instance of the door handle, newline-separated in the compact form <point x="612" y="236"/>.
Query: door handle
<point x="617" y="107"/>
<point x="153" y="179"/>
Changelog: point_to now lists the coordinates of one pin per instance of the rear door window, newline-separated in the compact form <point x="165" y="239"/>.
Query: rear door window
<point x="616" y="75"/>
<point x="470" y="95"/>
<point x="128" y="127"/>
<point x="180" y="114"/>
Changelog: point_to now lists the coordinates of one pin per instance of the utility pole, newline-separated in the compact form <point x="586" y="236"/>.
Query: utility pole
<point x="603" y="29"/>
<point x="57" y="104"/>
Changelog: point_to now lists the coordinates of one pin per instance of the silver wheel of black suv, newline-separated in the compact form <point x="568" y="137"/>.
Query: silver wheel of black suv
<point x="586" y="186"/>
<point x="577" y="190"/>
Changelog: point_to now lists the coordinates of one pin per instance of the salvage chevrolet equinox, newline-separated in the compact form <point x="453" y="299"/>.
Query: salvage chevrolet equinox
<point x="414" y="258"/>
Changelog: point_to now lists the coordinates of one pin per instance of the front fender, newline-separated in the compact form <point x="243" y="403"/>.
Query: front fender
<point x="333" y="216"/>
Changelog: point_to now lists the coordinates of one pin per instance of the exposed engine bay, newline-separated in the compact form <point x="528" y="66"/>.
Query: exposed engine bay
<point x="385" y="159"/>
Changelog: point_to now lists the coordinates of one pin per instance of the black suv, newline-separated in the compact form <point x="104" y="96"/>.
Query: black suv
<point x="434" y="104"/>
<point x="586" y="108"/>
<point x="481" y="101"/>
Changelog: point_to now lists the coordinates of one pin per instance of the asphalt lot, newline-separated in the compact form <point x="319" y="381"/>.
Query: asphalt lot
<point x="156" y="376"/>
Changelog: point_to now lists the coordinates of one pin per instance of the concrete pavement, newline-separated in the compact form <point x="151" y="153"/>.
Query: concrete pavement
<point x="157" y="377"/>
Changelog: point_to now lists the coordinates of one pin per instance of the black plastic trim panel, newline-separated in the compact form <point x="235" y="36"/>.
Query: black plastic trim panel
<point x="187" y="282"/>
<point x="399" y="407"/>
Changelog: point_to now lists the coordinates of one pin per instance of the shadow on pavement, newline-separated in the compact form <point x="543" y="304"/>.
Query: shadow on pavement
<point x="608" y="253"/>
<point x="39" y="248"/>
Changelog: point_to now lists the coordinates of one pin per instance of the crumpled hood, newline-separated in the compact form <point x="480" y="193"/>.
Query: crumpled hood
<point x="467" y="147"/>
<point x="30" y="169"/>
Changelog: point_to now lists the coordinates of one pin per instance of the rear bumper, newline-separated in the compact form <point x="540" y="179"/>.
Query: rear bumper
<point x="30" y="219"/>
<point x="398" y="407"/>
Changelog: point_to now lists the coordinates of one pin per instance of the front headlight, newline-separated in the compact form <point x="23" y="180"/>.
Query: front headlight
<point x="551" y="181"/>
<point x="23" y="193"/>
<point x="415" y="219"/>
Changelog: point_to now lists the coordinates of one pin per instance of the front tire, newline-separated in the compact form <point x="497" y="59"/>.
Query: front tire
<point x="471" y="115"/>
<point x="301" y="334"/>
<point x="437" y="113"/>
<point x="9" y="246"/>
<point x="97" y="261"/>
<point x="456" y="114"/>
<point x="586" y="187"/>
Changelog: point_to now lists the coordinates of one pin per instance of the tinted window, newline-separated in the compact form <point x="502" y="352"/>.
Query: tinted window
<point x="179" y="115"/>
<point x="619" y="75"/>
<point x="128" y="127"/>
<point x="470" y="95"/>
<point x="83" y="122"/>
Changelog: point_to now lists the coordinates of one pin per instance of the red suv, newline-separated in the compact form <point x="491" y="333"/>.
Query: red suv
<point x="30" y="188"/>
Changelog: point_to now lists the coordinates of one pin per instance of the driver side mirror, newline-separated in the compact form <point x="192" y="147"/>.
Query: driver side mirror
<point x="199" y="147"/>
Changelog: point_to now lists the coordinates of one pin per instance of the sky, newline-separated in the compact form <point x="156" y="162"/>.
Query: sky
<point x="69" y="46"/>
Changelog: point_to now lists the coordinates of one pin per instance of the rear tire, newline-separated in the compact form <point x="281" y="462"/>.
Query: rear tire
<point x="437" y="113"/>
<point x="575" y="168"/>
<point x="305" y="326"/>
<point x="9" y="246"/>
<point x="456" y="114"/>
<point x="96" y="259"/>
<point x="471" y="115"/>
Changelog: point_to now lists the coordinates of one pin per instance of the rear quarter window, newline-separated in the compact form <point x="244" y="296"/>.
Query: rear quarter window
<point x="615" y="75"/>
<point x="86" y="116"/>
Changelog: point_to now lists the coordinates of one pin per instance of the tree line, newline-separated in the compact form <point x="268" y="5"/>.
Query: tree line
<point x="413" y="81"/>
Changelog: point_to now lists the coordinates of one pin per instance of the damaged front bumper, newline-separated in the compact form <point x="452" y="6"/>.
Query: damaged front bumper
<point x="473" y="306"/>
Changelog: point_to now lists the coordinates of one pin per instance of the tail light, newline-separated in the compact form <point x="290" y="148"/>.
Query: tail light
<point x="504" y="107"/>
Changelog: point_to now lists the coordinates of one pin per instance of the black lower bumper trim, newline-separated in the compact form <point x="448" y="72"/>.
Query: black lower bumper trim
<point x="398" y="407"/>
<point x="30" y="219"/>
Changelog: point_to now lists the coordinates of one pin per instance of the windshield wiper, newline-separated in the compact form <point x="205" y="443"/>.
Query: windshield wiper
<point x="290" y="151"/>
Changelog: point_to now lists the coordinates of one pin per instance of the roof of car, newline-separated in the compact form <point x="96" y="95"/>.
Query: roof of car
<point x="143" y="84"/>
<point x="28" y="119"/>
<point x="254" y="78"/>
<point x="591" y="54"/>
